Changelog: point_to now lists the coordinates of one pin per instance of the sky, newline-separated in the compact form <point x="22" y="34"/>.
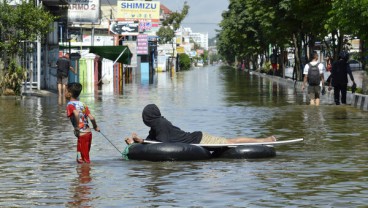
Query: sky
<point x="204" y="15"/>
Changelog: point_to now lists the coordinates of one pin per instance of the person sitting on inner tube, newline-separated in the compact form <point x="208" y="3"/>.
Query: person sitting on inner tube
<point x="163" y="131"/>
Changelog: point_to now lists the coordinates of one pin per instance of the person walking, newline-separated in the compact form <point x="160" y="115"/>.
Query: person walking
<point x="313" y="74"/>
<point x="63" y="66"/>
<point x="274" y="58"/>
<point x="339" y="77"/>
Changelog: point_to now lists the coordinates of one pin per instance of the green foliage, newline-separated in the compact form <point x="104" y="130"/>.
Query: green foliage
<point x="267" y="69"/>
<point x="166" y="34"/>
<point x="12" y="78"/>
<point x="23" y="22"/>
<point x="214" y="57"/>
<point x="19" y="24"/>
<point x="251" y="27"/>
<point x="204" y="56"/>
<point x="171" y="24"/>
<point x="184" y="61"/>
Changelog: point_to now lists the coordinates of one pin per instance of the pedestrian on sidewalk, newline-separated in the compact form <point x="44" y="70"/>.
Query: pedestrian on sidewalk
<point x="339" y="77"/>
<point x="274" y="58"/>
<point x="313" y="73"/>
<point x="63" y="66"/>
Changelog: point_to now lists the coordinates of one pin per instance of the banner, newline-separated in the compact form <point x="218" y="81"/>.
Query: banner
<point x="84" y="11"/>
<point x="124" y="28"/>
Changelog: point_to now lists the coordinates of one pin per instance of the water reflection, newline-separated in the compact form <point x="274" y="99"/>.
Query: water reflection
<point x="81" y="188"/>
<point x="37" y="149"/>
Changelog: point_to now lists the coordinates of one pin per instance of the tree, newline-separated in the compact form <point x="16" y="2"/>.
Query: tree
<point x="171" y="24"/>
<point x="349" y="17"/>
<point x="18" y="25"/>
<point x="250" y="28"/>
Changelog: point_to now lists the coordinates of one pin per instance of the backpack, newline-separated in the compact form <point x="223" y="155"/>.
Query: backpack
<point x="314" y="78"/>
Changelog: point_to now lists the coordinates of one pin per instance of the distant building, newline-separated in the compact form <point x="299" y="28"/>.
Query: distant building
<point x="201" y="39"/>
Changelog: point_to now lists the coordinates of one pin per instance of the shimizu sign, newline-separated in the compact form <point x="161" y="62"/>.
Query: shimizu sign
<point x="138" y="10"/>
<point x="84" y="11"/>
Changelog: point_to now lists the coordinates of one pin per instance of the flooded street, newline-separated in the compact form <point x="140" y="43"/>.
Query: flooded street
<point x="328" y="169"/>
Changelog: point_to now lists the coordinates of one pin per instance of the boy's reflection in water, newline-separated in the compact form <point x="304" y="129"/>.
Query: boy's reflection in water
<point x="81" y="189"/>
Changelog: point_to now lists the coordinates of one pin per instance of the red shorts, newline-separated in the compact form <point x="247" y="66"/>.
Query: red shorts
<point x="274" y="66"/>
<point x="84" y="146"/>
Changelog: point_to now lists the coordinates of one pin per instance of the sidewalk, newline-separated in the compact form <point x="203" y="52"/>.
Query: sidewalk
<point x="356" y="100"/>
<point x="35" y="93"/>
<point x="39" y="93"/>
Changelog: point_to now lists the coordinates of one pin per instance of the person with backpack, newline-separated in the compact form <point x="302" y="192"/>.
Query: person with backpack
<point x="339" y="78"/>
<point x="313" y="74"/>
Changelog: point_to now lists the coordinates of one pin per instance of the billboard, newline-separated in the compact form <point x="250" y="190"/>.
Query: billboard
<point x="138" y="10"/>
<point x="124" y="28"/>
<point x="84" y="11"/>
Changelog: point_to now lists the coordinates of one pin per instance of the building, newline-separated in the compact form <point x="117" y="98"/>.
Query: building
<point x="80" y="27"/>
<point x="201" y="39"/>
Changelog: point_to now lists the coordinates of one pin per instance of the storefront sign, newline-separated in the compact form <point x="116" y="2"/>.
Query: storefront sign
<point x="142" y="44"/>
<point x="137" y="10"/>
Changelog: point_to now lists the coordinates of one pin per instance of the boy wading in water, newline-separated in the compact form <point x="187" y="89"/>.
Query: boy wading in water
<point x="79" y="113"/>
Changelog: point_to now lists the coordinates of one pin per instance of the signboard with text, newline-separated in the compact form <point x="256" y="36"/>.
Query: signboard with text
<point x="84" y="11"/>
<point x="142" y="44"/>
<point x="137" y="10"/>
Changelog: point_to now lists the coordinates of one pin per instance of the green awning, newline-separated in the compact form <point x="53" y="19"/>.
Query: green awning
<point x="119" y="54"/>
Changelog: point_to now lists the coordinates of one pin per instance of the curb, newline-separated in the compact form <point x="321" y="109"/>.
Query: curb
<point x="39" y="93"/>
<point x="356" y="100"/>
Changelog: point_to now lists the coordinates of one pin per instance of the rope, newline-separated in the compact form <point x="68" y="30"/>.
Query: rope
<point x="110" y="142"/>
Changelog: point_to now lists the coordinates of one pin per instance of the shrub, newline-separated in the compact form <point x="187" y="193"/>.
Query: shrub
<point x="11" y="79"/>
<point x="184" y="61"/>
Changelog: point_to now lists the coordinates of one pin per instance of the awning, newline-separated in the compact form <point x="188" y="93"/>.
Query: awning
<point x="119" y="54"/>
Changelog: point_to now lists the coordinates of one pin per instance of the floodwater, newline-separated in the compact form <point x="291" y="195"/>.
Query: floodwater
<point x="328" y="169"/>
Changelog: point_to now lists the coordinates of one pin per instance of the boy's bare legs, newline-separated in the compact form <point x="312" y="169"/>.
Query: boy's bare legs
<point x="250" y="140"/>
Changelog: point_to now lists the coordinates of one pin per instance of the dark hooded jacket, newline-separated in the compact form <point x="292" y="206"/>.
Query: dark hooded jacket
<point x="340" y="72"/>
<point x="163" y="131"/>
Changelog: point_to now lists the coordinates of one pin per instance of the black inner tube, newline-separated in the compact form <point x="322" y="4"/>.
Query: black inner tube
<point x="167" y="152"/>
<point x="187" y="152"/>
<point x="245" y="152"/>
